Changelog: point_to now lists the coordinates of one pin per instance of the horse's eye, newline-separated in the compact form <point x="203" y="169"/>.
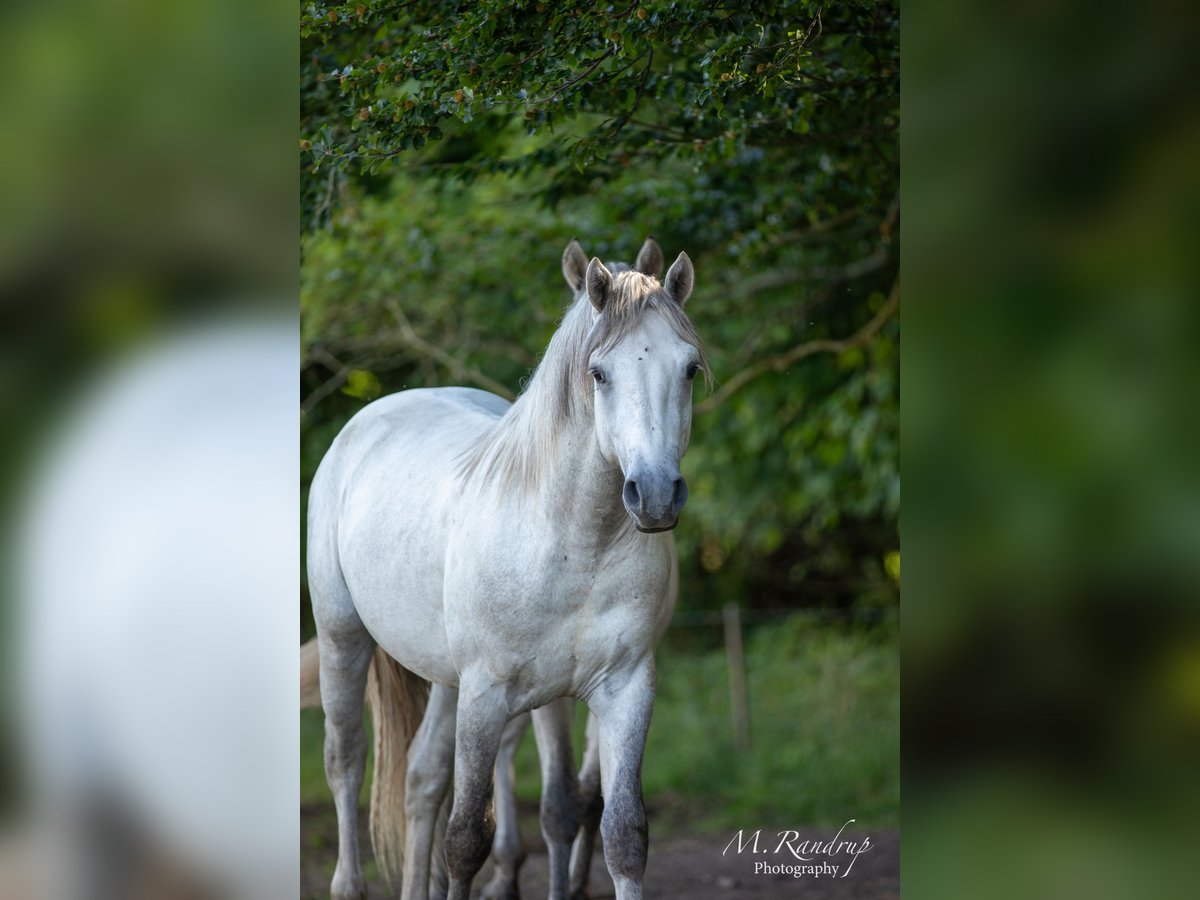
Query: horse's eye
<point x="692" y="370"/>
<point x="599" y="376"/>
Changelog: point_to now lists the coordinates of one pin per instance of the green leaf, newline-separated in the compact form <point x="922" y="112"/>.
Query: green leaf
<point x="363" y="384"/>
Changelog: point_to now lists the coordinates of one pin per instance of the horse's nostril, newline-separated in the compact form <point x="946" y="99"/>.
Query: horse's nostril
<point x="631" y="495"/>
<point x="680" y="495"/>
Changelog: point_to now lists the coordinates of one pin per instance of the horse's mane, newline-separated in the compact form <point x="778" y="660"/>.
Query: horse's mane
<point x="523" y="442"/>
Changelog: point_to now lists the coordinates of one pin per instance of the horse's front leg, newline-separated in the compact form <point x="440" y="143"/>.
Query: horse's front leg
<point x="482" y="714"/>
<point x="591" y="805"/>
<point x="509" y="850"/>
<point x="560" y="792"/>
<point x="622" y="704"/>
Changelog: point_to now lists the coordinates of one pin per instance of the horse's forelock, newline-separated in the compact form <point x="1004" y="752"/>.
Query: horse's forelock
<point x="632" y="296"/>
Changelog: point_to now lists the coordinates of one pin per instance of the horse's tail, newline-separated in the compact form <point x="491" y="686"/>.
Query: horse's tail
<point x="396" y="698"/>
<point x="310" y="676"/>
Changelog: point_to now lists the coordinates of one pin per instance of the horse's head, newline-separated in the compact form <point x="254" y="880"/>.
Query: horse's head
<point x="641" y="357"/>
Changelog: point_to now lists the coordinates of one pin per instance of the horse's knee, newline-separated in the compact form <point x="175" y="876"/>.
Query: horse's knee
<point x="424" y="791"/>
<point x="468" y="843"/>
<point x="623" y="827"/>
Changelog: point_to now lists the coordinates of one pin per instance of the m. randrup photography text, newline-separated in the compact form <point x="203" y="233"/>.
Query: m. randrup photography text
<point x="820" y="857"/>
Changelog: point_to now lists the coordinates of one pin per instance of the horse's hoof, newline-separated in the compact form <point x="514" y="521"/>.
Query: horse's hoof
<point x="580" y="894"/>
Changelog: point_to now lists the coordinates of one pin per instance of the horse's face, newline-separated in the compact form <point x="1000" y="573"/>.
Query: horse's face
<point x="642" y="388"/>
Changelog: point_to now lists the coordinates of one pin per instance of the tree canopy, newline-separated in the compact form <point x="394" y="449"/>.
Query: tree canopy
<point x="450" y="151"/>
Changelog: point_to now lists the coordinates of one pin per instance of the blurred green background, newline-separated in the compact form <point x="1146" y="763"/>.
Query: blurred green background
<point x="1051" y="649"/>
<point x="449" y="154"/>
<point x="1052" y="515"/>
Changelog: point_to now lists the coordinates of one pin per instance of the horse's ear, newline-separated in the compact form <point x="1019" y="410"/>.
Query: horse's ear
<point x="649" y="259"/>
<point x="680" y="278"/>
<point x="599" y="284"/>
<point x="574" y="265"/>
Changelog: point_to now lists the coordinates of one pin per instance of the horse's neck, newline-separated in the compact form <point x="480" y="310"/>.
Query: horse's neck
<point x="582" y="488"/>
<point x="574" y="483"/>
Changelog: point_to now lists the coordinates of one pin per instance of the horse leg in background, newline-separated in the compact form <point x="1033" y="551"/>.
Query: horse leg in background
<point x="591" y="802"/>
<point x="439" y="875"/>
<point x="430" y="760"/>
<point x="560" y="791"/>
<point x="482" y="715"/>
<point x="345" y="651"/>
<point x="622" y="705"/>
<point x="508" y="850"/>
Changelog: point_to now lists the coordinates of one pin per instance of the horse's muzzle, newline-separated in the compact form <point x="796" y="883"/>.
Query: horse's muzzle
<point x="654" y="502"/>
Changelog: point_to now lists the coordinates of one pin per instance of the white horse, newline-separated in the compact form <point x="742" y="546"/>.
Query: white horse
<point x="508" y="850"/>
<point x="512" y="556"/>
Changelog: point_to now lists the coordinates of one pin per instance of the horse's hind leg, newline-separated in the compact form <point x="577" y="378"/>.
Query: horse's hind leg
<point x="560" y="792"/>
<point x="508" y="850"/>
<point x="345" y="649"/>
<point x="591" y="803"/>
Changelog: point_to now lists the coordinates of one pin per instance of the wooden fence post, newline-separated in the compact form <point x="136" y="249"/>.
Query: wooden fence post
<point x="738" y="703"/>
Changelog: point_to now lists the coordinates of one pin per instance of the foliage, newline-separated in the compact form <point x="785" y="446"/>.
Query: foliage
<point x="449" y="152"/>
<point x="650" y="81"/>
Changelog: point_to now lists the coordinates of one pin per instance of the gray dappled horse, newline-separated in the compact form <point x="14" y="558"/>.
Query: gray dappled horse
<point x="511" y="555"/>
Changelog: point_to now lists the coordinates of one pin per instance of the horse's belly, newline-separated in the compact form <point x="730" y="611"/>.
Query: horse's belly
<point x="394" y="573"/>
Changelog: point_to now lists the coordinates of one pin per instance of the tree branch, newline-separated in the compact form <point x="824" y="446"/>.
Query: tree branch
<point x="776" y="278"/>
<point x="415" y="342"/>
<point x="324" y="389"/>
<point x="637" y="100"/>
<point x="782" y="361"/>
<point x="590" y="69"/>
<point x="821" y="226"/>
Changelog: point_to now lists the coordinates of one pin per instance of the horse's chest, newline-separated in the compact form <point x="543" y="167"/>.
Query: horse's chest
<point x="555" y="624"/>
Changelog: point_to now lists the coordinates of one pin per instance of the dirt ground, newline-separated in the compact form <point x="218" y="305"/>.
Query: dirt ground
<point x="679" y="865"/>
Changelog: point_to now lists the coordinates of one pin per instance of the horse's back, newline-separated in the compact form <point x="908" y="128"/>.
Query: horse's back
<point x="423" y="426"/>
<point x="379" y="516"/>
<point x="418" y="414"/>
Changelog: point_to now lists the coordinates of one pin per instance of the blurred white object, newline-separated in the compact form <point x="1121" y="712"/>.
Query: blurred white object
<point x="160" y="564"/>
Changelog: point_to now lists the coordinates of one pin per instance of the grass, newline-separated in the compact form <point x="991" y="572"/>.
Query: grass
<point x="824" y="725"/>
<point x="824" y="722"/>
